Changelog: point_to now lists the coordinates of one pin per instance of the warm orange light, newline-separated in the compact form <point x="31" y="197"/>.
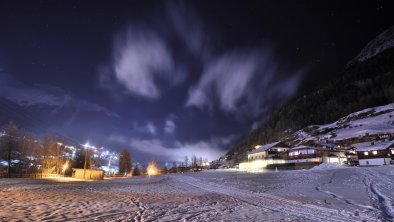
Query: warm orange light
<point x="152" y="169"/>
<point x="65" y="166"/>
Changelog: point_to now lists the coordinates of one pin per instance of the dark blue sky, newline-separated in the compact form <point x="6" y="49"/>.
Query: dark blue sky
<point x="167" y="79"/>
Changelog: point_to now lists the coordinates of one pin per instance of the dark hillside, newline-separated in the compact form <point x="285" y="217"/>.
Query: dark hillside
<point x="362" y="85"/>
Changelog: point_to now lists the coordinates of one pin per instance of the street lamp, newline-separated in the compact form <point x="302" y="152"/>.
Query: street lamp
<point x="86" y="146"/>
<point x="58" y="157"/>
<point x="65" y="166"/>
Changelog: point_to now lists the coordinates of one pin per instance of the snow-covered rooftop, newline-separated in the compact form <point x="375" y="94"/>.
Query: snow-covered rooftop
<point x="308" y="147"/>
<point x="373" y="146"/>
<point x="266" y="147"/>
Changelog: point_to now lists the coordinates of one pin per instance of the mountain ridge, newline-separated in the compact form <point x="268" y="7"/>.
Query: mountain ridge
<point x="363" y="84"/>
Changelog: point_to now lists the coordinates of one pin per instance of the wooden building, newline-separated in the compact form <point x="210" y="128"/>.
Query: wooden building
<point x="261" y="156"/>
<point x="272" y="150"/>
<point x="351" y="155"/>
<point x="375" y="153"/>
<point x="311" y="154"/>
<point x="89" y="174"/>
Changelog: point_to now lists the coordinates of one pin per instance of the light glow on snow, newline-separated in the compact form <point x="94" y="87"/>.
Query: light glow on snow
<point x="152" y="169"/>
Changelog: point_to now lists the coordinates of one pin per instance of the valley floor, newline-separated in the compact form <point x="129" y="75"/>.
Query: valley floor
<point x="348" y="194"/>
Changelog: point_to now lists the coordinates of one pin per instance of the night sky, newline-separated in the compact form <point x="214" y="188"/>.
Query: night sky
<point x="167" y="79"/>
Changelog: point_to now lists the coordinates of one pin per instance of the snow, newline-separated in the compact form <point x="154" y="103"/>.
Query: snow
<point x="264" y="148"/>
<point x="371" y="121"/>
<point x="367" y="146"/>
<point x="345" y="194"/>
<point x="382" y="42"/>
<point x="328" y="166"/>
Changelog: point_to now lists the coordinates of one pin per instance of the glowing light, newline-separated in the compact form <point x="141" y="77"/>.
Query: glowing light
<point x="257" y="146"/>
<point x="86" y="145"/>
<point x="152" y="169"/>
<point x="65" y="166"/>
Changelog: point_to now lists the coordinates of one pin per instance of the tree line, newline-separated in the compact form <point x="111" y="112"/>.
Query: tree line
<point x="22" y="152"/>
<point x="193" y="163"/>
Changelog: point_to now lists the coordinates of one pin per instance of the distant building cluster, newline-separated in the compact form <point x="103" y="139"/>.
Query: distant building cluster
<point x="280" y="155"/>
<point x="24" y="154"/>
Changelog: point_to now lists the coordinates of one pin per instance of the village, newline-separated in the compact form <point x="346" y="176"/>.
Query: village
<point x="172" y="110"/>
<point x="363" y="138"/>
<point x="278" y="155"/>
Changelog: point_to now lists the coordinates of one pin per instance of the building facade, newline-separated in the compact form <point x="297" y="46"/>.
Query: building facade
<point x="376" y="154"/>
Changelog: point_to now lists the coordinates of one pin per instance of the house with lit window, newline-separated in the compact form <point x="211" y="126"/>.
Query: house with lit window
<point x="268" y="151"/>
<point x="375" y="153"/>
<point x="351" y="155"/>
<point x="314" y="155"/>
<point x="261" y="156"/>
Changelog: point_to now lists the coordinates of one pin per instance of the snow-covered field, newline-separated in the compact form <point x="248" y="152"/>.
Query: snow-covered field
<point x="371" y="121"/>
<point x="343" y="194"/>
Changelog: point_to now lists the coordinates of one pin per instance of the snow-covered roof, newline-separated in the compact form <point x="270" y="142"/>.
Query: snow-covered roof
<point x="376" y="146"/>
<point x="308" y="147"/>
<point x="267" y="146"/>
<point x="346" y="147"/>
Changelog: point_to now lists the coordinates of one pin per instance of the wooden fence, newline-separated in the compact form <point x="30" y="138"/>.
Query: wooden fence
<point x="27" y="175"/>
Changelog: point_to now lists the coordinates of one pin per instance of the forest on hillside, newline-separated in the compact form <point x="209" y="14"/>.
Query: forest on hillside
<point x="362" y="85"/>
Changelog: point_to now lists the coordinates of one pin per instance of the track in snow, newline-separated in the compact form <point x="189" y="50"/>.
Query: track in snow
<point x="276" y="204"/>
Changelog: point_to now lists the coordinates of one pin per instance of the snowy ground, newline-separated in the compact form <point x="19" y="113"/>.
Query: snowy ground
<point x="345" y="194"/>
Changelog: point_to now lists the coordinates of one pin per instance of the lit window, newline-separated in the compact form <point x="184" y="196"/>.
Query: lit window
<point x="365" y="153"/>
<point x="374" y="152"/>
<point x="392" y="151"/>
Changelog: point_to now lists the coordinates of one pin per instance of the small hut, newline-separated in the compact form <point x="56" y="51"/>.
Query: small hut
<point x="88" y="174"/>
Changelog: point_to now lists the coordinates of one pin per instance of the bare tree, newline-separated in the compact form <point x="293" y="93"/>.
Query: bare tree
<point x="52" y="152"/>
<point x="200" y="161"/>
<point x="206" y="161"/>
<point x="29" y="144"/>
<point x="194" y="162"/>
<point x="9" y="144"/>
<point x="174" y="168"/>
<point x="186" y="161"/>
<point x="79" y="161"/>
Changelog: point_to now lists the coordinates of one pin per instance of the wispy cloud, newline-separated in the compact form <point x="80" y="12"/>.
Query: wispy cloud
<point x="242" y="82"/>
<point x="145" y="61"/>
<point x="169" y="126"/>
<point x="227" y="78"/>
<point x="148" y="127"/>
<point x="141" y="58"/>
<point x="55" y="97"/>
<point x="142" y="63"/>
<point x="188" y="26"/>
<point x="211" y="149"/>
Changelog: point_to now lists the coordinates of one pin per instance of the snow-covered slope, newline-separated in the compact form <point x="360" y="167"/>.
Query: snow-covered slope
<point x="372" y="121"/>
<point x="384" y="41"/>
